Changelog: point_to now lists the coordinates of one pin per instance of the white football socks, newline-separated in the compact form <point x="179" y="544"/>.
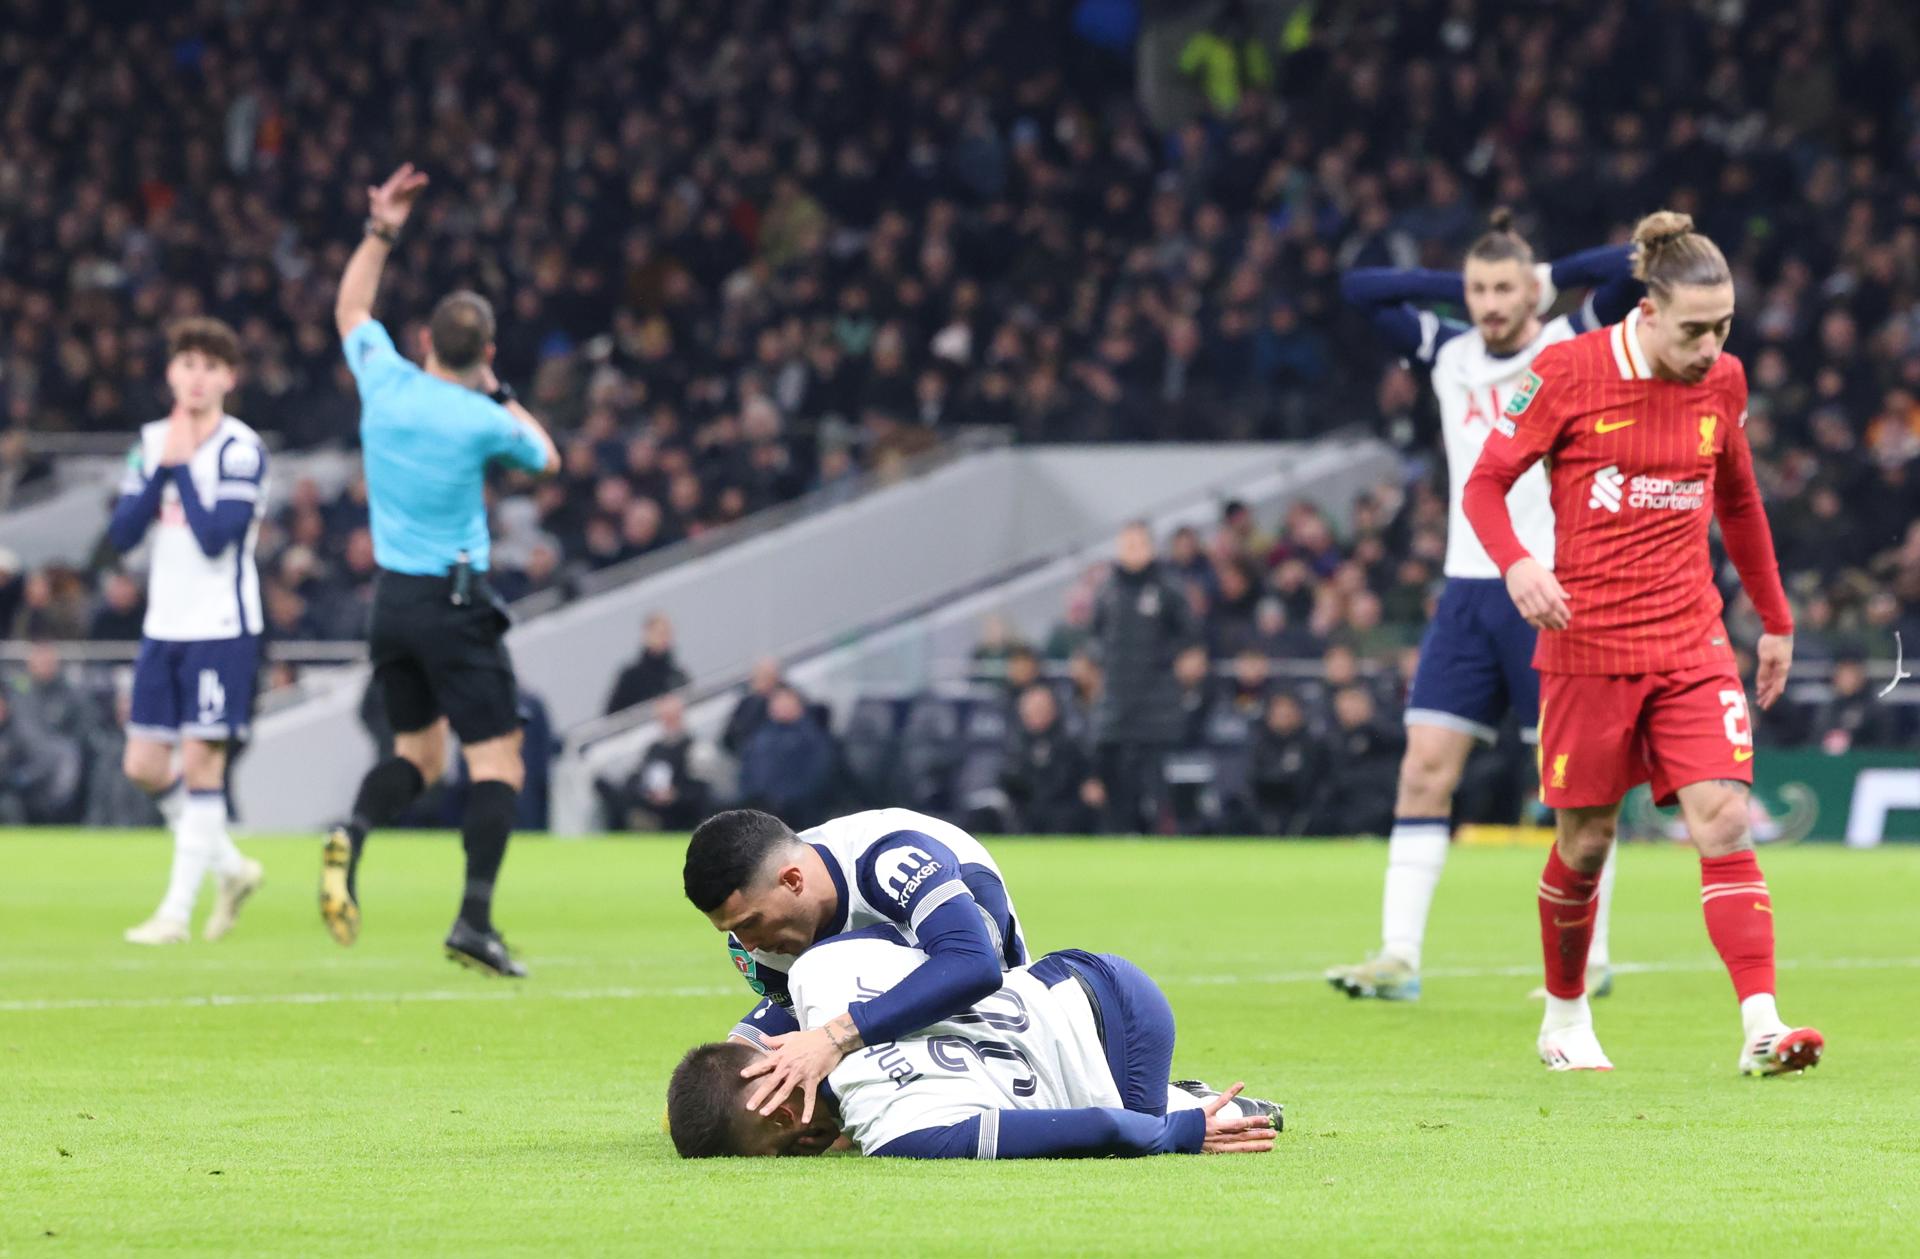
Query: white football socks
<point x="206" y="813"/>
<point x="1416" y="853"/>
<point x="1759" y="1013"/>
<point x="1564" y="1013"/>
<point x="192" y="854"/>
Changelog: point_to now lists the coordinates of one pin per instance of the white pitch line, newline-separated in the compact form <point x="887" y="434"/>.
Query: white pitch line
<point x="535" y="993"/>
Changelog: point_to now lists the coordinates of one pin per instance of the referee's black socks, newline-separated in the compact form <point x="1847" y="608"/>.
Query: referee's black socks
<point x="483" y="832"/>
<point x="385" y="793"/>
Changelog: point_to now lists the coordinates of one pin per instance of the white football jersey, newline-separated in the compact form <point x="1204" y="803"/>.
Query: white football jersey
<point x="884" y="871"/>
<point x="1473" y="388"/>
<point x="192" y="597"/>
<point x="1027" y="1047"/>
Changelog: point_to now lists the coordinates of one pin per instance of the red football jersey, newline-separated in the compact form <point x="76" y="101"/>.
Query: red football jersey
<point x="1638" y="466"/>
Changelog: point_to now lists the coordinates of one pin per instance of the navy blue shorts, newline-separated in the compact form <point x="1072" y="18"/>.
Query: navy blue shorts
<point x="1476" y="663"/>
<point x="199" y="690"/>
<point x="1135" y="1021"/>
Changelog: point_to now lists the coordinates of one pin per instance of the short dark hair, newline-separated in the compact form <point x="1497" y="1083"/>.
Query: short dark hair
<point x="703" y="1099"/>
<point x="727" y="850"/>
<point x="202" y="334"/>
<point x="461" y="329"/>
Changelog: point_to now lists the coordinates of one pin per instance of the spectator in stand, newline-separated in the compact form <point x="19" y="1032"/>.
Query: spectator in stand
<point x="1194" y="698"/>
<point x="1852" y="716"/>
<point x="1289" y="764"/>
<point x="653" y="672"/>
<point x="122" y="610"/>
<point x="1142" y="623"/>
<point x="1020" y="671"/>
<point x="1250" y="687"/>
<point x="1047" y="773"/>
<point x="663" y="793"/>
<point x="39" y="771"/>
<point x="751" y="712"/>
<point x="46" y="698"/>
<point x="788" y="765"/>
<point x="1356" y="794"/>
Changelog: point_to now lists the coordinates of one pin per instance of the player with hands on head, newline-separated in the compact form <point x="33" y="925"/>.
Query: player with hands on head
<point x="1476" y="659"/>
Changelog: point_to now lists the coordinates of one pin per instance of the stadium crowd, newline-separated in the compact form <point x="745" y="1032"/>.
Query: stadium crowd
<point x="745" y="252"/>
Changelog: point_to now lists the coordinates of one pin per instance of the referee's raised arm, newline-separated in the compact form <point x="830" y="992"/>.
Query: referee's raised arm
<point x="388" y="206"/>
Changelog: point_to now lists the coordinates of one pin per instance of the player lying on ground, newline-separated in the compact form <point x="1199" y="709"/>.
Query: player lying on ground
<point x="1644" y="425"/>
<point x="196" y="483"/>
<point x="776" y="893"/>
<point x="1476" y="659"/>
<point x="1069" y="1059"/>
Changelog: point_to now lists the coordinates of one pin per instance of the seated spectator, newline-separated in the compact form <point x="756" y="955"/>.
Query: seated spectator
<point x="46" y="698"/>
<point x="1193" y="675"/>
<point x="39" y="771"/>
<point x="1047" y="776"/>
<point x="1272" y="636"/>
<point x="538" y="571"/>
<point x="1086" y="682"/>
<point x="1022" y="670"/>
<point x="654" y="671"/>
<point x="787" y="767"/>
<point x="663" y="793"/>
<point x="1288" y="763"/>
<point x="122" y="611"/>
<point x="1231" y="623"/>
<point x="1853" y="716"/>
<point x="1247" y="691"/>
<point x="1357" y="787"/>
<point x="751" y="712"/>
<point x="1186" y="558"/>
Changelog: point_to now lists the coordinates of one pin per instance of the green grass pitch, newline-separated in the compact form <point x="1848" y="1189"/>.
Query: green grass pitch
<point x="276" y="1095"/>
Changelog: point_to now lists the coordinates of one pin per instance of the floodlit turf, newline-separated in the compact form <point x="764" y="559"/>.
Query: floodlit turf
<point x="274" y="1094"/>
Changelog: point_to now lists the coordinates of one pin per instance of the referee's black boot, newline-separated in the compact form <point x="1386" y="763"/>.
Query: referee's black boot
<point x="481" y="950"/>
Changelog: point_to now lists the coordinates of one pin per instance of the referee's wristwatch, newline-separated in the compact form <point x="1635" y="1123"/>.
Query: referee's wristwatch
<point x="503" y="394"/>
<point x="380" y="231"/>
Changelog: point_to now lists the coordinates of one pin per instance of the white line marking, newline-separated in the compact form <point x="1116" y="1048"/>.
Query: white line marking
<point x="30" y="1005"/>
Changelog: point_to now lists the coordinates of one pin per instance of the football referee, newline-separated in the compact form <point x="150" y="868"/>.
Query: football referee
<point x="437" y="629"/>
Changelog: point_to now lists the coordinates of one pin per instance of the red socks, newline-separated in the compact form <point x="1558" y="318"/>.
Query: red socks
<point x="1739" y="913"/>
<point x="1567" y="911"/>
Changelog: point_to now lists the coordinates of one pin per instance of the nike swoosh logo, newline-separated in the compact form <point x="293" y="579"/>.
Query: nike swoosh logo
<point x="1763" y="907"/>
<point x="1603" y="426"/>
<point x="1577" y="922"/>
<point x="1742" y="756"/>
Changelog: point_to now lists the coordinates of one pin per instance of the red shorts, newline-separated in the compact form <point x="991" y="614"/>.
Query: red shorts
<point x="1603" y="735"/>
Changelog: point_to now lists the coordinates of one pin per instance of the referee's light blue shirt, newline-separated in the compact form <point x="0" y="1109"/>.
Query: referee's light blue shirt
<point x="426" y="443"/>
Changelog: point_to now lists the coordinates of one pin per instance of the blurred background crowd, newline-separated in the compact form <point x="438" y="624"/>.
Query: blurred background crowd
<point x="764" y="249"/>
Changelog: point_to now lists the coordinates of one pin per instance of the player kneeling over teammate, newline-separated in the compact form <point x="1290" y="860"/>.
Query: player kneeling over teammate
<point x="197" y="484"/>
<point x="1644" y="427"/>
<point x="776" y="893"/>
<point x="1068" y="1059"/>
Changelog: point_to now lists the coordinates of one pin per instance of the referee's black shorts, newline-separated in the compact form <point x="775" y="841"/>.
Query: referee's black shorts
<point x="433" y="659"/>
